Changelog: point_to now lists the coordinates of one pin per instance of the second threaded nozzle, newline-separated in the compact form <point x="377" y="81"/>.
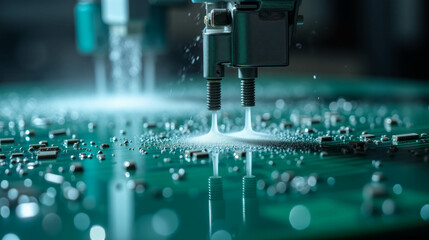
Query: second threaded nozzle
<point x="213" y="94"/>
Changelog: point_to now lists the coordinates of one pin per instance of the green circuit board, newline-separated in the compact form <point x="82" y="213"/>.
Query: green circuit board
<point x="339" y="159"/>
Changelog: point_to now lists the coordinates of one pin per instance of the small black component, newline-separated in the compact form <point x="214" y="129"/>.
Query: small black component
<point x="58" y="132"/>
<point x="367" y="136"/>
<point x="104" y="146"/>
<point x="405" y="137"/>
<point x="309" y="130"/>
<point x="7" y="140"/>
<point x="76" y="168"/>
<point x="14" y="155"/>
<point x="36" y="146"/>
<point x="190" y="153"/>
<point x="239" y="154"/>
<point x="324" y="138"/>
<point x="29" y="133"/>
<point x="149" y="125"/>
<point x="284" y="125"/>
<point x="200" y="155"/>
<point x="129" y="165"/>
<point x="51" y="148"/>
<point x="47" y="155"/>
<point x="71" y="141"/>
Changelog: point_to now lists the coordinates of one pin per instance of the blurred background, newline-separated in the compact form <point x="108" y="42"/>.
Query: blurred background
<point x="383" y="38"/>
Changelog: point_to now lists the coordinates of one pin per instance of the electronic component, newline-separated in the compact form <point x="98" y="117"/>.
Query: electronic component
<point x="325" y="138"/>
<point x="149" y="125"/>
<point x="101" y="157"/>
<point x="36" y="146"/>
<point x="239" y="154"/>
<point x="190" y="153"/>
<point x="14" y="155"/>
<point x="129" y="166"/>
<point x="200" y="155"/>
<point x="367" y="136"/>
<point x="51" y="148"/>
<point x="405" y="137"/>
<point x="59" y="132"/>
<point x="104" y="146"/>
<point x="46" y="155"/>
<point x="71" y="141"/>
<point x="76" y="167"/>
<point x="285" y="125"/>
<point x="30" y="133"/>
<point x="374" y="190"/>
<point x="7" y="140"/>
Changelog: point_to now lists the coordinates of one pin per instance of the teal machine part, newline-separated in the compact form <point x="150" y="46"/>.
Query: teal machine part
<point x="154" y="37"/>
<point x="91" y="33"/>
<point x="143" y="24"/>
<point x="92" y="37"/>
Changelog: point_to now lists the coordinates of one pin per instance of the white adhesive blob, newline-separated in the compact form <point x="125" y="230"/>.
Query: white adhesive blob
<point x="245" y="138"/>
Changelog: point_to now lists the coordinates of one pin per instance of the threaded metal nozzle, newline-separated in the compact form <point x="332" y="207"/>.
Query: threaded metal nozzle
<point x="248" y="92"/>
<point x="213" y="95"/>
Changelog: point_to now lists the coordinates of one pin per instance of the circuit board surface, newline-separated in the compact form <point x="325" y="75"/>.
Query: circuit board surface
<point x="343" y="162"/>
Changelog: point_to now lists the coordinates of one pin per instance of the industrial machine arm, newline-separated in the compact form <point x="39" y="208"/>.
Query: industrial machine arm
<point x="245" y="34"/>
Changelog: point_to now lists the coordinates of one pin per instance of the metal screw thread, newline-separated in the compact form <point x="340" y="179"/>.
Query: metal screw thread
<point x="248" y="92"/>
<point x="215" y="188"/>
<point x="249" y="187"/>
<point x="213" y="95"/>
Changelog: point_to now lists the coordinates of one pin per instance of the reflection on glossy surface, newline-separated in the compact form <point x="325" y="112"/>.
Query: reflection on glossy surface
<point x="300" y="217"/>
<point x="27" y="210"/>
<point x="97" y="233"/>
<point x="52" y="224"/>
<point x="81" y="221"/>
<point x="219" y="225"/>
<point x="10" y="236"/>
<point x="165" y="222"/>
<point x="216" y="206"/>
<point x="250" y="201"/>
<point x="215" y="161"/>
<point x="121" y="214"/>
<point x="424" y="212"/>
